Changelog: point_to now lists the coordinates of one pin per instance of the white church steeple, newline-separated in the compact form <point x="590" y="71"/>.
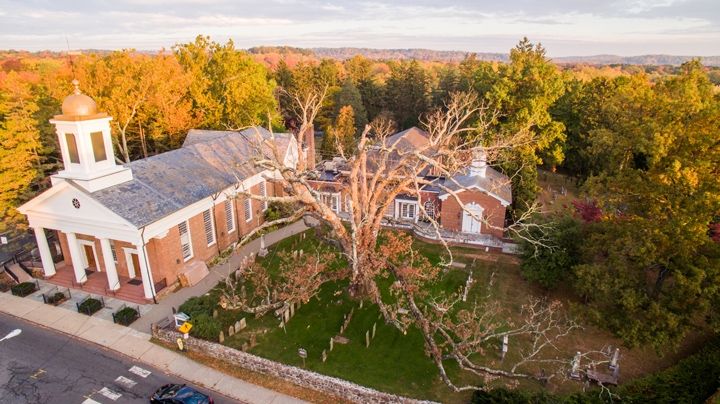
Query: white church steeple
<point x="86" y="145"/>
<point x="478" y="167"/>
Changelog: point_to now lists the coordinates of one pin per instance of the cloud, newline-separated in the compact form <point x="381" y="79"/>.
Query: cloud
<point x="564" y="26"/>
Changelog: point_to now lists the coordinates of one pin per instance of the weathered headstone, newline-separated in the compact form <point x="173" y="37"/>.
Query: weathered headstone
<point x="614" y="360"/>
<point x="286" y="316"/>
<point x="504" y="347"/>
<point x="253" y="340"/>
<point x="215" y="313"/>
<point x="575" y="370"/>
<point x="324" y="355"/>
<point x="240" y="325"/>
<point x="231" y="331"/>
<point x="331" y="344"/>
<point x="374" y="327"/>
<point x="263" y="250"/>
<point x="244" y="347"/>
<point x="292" y="310"/>
<point x="367" y="339"/>
<point x="361" y="303"/>
<point x="221" y="337"/>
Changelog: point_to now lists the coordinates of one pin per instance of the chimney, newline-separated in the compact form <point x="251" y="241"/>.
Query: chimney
<point x="309" y="145"/>
<point x="478" y="167"/>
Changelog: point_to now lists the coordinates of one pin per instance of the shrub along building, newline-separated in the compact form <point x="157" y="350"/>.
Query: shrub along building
<point x="483" y="191"/>
<point x="132" y="229"/>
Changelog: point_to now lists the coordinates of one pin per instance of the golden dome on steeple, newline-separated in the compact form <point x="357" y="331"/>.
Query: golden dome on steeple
<point x="78" y="104"/>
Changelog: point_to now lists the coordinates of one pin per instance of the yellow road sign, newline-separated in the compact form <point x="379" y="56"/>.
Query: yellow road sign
<point x="185" y="328"/>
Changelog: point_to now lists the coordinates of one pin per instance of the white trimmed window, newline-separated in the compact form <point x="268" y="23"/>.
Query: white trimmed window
<point x="331" y="199"/>
<point x="114" y="253"/>
<point x="229" y="216"/>
<point x="185" y="243"/>
<point x="209" y="227"/>
<point x="430" y="209"/>
<point x="247" y="207"/>
<point x="407" y="210"/>
<point x="263" y="193"/>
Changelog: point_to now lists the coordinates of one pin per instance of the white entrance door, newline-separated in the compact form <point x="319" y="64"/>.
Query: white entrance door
<point x="471" y="218"/>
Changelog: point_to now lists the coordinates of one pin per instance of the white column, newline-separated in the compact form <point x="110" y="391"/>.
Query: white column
<point x="110" y="270"/>
<point x="45" y="254"/>
<point x="148" y="286"/>
<point x="77" y="260"/>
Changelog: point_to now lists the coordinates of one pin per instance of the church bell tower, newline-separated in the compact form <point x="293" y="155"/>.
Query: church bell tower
<point x="86" y="145"/>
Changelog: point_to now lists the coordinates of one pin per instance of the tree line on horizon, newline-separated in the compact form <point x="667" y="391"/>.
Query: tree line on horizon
<point x="641" y="141"/>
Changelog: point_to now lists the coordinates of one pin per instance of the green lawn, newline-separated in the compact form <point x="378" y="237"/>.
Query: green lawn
<point x="394" y="362"/>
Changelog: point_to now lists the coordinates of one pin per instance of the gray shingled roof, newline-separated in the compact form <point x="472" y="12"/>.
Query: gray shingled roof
<point x="195" y="136"/>
<point x="171" y="181"/>
<point x="493" y="182"/>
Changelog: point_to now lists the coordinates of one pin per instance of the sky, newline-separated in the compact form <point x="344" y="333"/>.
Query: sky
<point x="564" y="27"/>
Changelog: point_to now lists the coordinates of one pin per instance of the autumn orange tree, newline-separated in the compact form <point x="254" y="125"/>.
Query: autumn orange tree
<point x="147" y="96"/>
<point x="378" y="171"/>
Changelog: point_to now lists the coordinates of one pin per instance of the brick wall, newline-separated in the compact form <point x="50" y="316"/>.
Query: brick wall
<point x="494" y="213"/>
<point x="165" y="254"/>
<point x="62" y="238"/>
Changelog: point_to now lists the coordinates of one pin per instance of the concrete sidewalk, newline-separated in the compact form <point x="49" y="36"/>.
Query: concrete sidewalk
<point x="136" y="345"/>
<point x="163" y="309"/>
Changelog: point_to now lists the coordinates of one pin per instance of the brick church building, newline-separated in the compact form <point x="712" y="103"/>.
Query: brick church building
<point x="132" y="229"/>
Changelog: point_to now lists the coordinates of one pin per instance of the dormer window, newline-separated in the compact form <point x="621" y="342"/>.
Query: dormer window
<point x="72" y="148"/>
<point x="98" y="145"/>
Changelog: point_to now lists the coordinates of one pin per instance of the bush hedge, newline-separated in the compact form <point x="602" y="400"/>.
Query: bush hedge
<point x="692" y="380"/>
<point x="126" y="316"/>
<point x="200" y="310"/>
<point x="89" y="306"/>
<point x="23" y="289"/>
<point x="55" y="298"/>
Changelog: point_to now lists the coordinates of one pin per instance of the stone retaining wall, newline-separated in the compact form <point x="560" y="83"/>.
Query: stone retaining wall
<point x="300" y="377"/>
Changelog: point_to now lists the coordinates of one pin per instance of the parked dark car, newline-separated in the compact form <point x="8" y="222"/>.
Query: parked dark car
<point x="179" y="394"/>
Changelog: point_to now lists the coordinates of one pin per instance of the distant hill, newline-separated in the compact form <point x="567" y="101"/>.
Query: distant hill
<point x="637" y="60"/>
<point x="417" y="54"/>
<point x="456" y="56"/>
<point x="402" y="54"/>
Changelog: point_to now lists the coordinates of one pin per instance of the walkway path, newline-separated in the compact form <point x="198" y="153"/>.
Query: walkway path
<point x="163" y="309"/>
<point x="137" y="346"/>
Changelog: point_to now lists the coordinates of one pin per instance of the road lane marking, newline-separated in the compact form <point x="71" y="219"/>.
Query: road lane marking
<point x="113" y="395"/>
<point x="124" y="381"/>
<point x="139" y="371"/>
<point x="89" y="401"/>
<point x="11" y="334"/>
<point x="37" y="374"/>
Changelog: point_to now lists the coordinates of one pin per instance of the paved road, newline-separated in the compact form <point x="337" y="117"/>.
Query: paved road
<point x="43" y="366"/>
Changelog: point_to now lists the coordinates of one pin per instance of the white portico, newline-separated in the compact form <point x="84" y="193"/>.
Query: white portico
<point x="88" y="228"/>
